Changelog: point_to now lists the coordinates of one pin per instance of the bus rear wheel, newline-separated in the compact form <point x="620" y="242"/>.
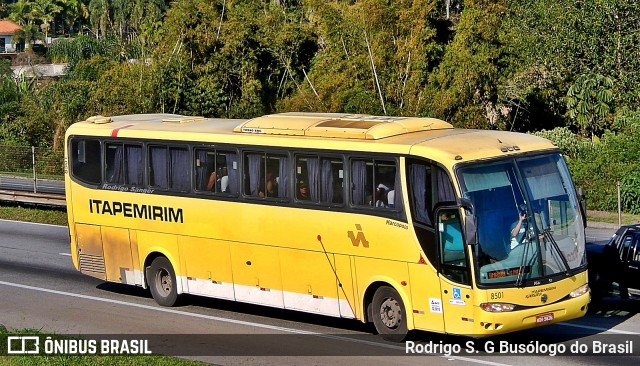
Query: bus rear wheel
<point x="389" y="315"/>
<point x="162" y="282"/>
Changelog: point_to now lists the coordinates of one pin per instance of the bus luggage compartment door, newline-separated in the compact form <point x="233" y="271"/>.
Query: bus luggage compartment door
<point x="90" y="254"/>
<point x="117" y="255"/>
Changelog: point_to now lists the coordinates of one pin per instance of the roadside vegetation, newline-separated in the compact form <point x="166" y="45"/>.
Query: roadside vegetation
<point x="563" y="69"/>
<point x="53" y="216"/>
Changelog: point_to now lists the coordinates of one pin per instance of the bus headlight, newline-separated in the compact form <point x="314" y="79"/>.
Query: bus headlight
<point x="496" y="307"/>
<point x="580" y="290"/>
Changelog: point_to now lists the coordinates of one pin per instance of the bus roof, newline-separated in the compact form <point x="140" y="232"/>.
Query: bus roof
<point x="426" y="137"/>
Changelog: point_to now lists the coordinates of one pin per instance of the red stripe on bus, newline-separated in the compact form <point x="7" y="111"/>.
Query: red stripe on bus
<point x="114" y="133"/>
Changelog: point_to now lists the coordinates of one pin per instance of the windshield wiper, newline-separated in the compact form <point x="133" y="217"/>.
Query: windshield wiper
<point x="520" y="278"/>
<point x="548" y="236"/>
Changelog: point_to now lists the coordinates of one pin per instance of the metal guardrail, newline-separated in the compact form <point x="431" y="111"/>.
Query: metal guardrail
<point x="32" y="175"/>
<point x="33" y="198"/>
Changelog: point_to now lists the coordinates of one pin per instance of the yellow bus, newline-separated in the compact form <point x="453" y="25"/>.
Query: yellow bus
<point x="405" y="222"/>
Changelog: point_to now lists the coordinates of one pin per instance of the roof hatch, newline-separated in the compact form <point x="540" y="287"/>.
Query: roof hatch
<point x="98" y="120"/>
<point x="338" y="125"/>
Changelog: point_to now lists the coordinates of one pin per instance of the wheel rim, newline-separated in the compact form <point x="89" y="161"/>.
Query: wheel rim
<point x="164" y="284"/>
<point x="390" y="313"/>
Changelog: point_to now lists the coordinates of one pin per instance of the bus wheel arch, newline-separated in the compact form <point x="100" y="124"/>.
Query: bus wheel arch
<point x="385" y="307"/>
<point x="160" y="277"/>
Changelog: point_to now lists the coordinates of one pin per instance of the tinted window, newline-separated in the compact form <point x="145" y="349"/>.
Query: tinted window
<point x="319" y="179"/>
<point x="86" y="160"/>
<point x="169" y="168"/>
<point x="266" y="175"/>
<point x="123" y="164"/>
<point x="216" y="171"/>
<point x="373" y="182"/>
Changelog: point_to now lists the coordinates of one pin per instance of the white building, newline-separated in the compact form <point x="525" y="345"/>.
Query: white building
<point x="7" y="31"/>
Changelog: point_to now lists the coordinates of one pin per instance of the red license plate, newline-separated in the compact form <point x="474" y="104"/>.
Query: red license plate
<point x="543" y="318"/>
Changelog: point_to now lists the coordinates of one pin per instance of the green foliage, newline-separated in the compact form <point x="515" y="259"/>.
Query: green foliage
<point x="630" y="193"/>
<point x="125" y="88"/>
<point x="74" y="50"/>
<point x="464" y="89"/>
<point x="601" y="164"/>
<point x="589" y="101"/>
<point x="566" y="140"/>
<point x="553" y="42"/>
<point x="373" y="56"/>
<point x="32" y="127"/>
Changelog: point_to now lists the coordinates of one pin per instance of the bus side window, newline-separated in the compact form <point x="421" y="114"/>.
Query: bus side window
<point x="253" y="173"/>
<point x="123" y="164"/>
<point x="371" y="182"/>
<point x="453" y="263"/>
<point x="421" y="192"/>
<point x="86" y="159"/>
<point x="205" y="169"/>
<point x="231" y="165"/>
<point x="331" y="181"/>
<point x="133" y="170"/>
<point x="169" y="168"/>
<point x="384" y="177"/>
<point x="179" y="168"/>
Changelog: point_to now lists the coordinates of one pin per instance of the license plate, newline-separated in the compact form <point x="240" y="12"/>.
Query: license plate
<point x="543" y="318"/>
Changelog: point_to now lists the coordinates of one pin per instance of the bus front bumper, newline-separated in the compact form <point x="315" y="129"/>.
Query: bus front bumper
<point x="493" y="323"/>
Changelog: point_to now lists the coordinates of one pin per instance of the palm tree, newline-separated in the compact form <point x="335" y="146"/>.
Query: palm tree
<point x="46" y="11"/>
<point x="73" y="10"/>
<point x="100" y="20"/>
<point x="23" y="12"/>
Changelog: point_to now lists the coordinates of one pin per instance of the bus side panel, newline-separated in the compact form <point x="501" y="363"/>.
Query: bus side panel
<point x="309" y="281"/>
<point x="256" y="274"/>
<point x="207" y="266"/>
<point x="425" y="296"/>
<point x="138" y="274"/>
<point x="346" y="293"/>
<point x="165" y="244"/>
<point x="90" y="254"/>
<point x="117" y="254"/>
<point x="370" y="270"/>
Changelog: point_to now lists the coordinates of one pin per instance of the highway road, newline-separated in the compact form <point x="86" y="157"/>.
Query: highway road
<point x="11" y="183"/>
<point x="39" y="288"/>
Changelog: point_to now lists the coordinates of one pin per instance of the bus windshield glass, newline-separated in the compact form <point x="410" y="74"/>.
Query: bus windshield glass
<point x="529" y="225"/>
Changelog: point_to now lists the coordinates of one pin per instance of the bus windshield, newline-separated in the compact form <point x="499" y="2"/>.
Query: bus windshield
<point x="529" y="225"/>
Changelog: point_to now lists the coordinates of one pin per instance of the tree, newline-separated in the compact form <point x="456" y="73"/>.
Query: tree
<point x="74" y="12"/>
<point x="464" y="89"/>
<point x="589" y="101"/>
<point x="45" y="11"/>
<point x="552" y="42"/>
<point x="374" y="56"/>
<point x="100" y="18"/>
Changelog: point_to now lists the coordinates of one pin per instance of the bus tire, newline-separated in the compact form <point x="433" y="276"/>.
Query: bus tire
<point x="389" y="315"/>
<point x="162" y="282"/>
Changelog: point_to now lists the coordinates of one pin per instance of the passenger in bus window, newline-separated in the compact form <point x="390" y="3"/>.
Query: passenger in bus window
<point x="271" y="187"/>
<point x="224" y="180"/>
<point x="303" y="190"/>
<point x="381" y="195"/>
<point x="211" y="185"/>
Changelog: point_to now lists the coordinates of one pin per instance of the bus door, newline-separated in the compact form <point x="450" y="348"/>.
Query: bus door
<point x="455" y="275"/>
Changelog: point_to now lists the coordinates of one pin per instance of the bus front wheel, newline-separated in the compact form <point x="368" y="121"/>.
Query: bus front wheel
<point x="162" y="282"/>
<point x="388" y="313"/>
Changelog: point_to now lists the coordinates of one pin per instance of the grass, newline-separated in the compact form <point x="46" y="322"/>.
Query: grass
<point x="54" y="216"/>
<point x="612" y="217"/>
